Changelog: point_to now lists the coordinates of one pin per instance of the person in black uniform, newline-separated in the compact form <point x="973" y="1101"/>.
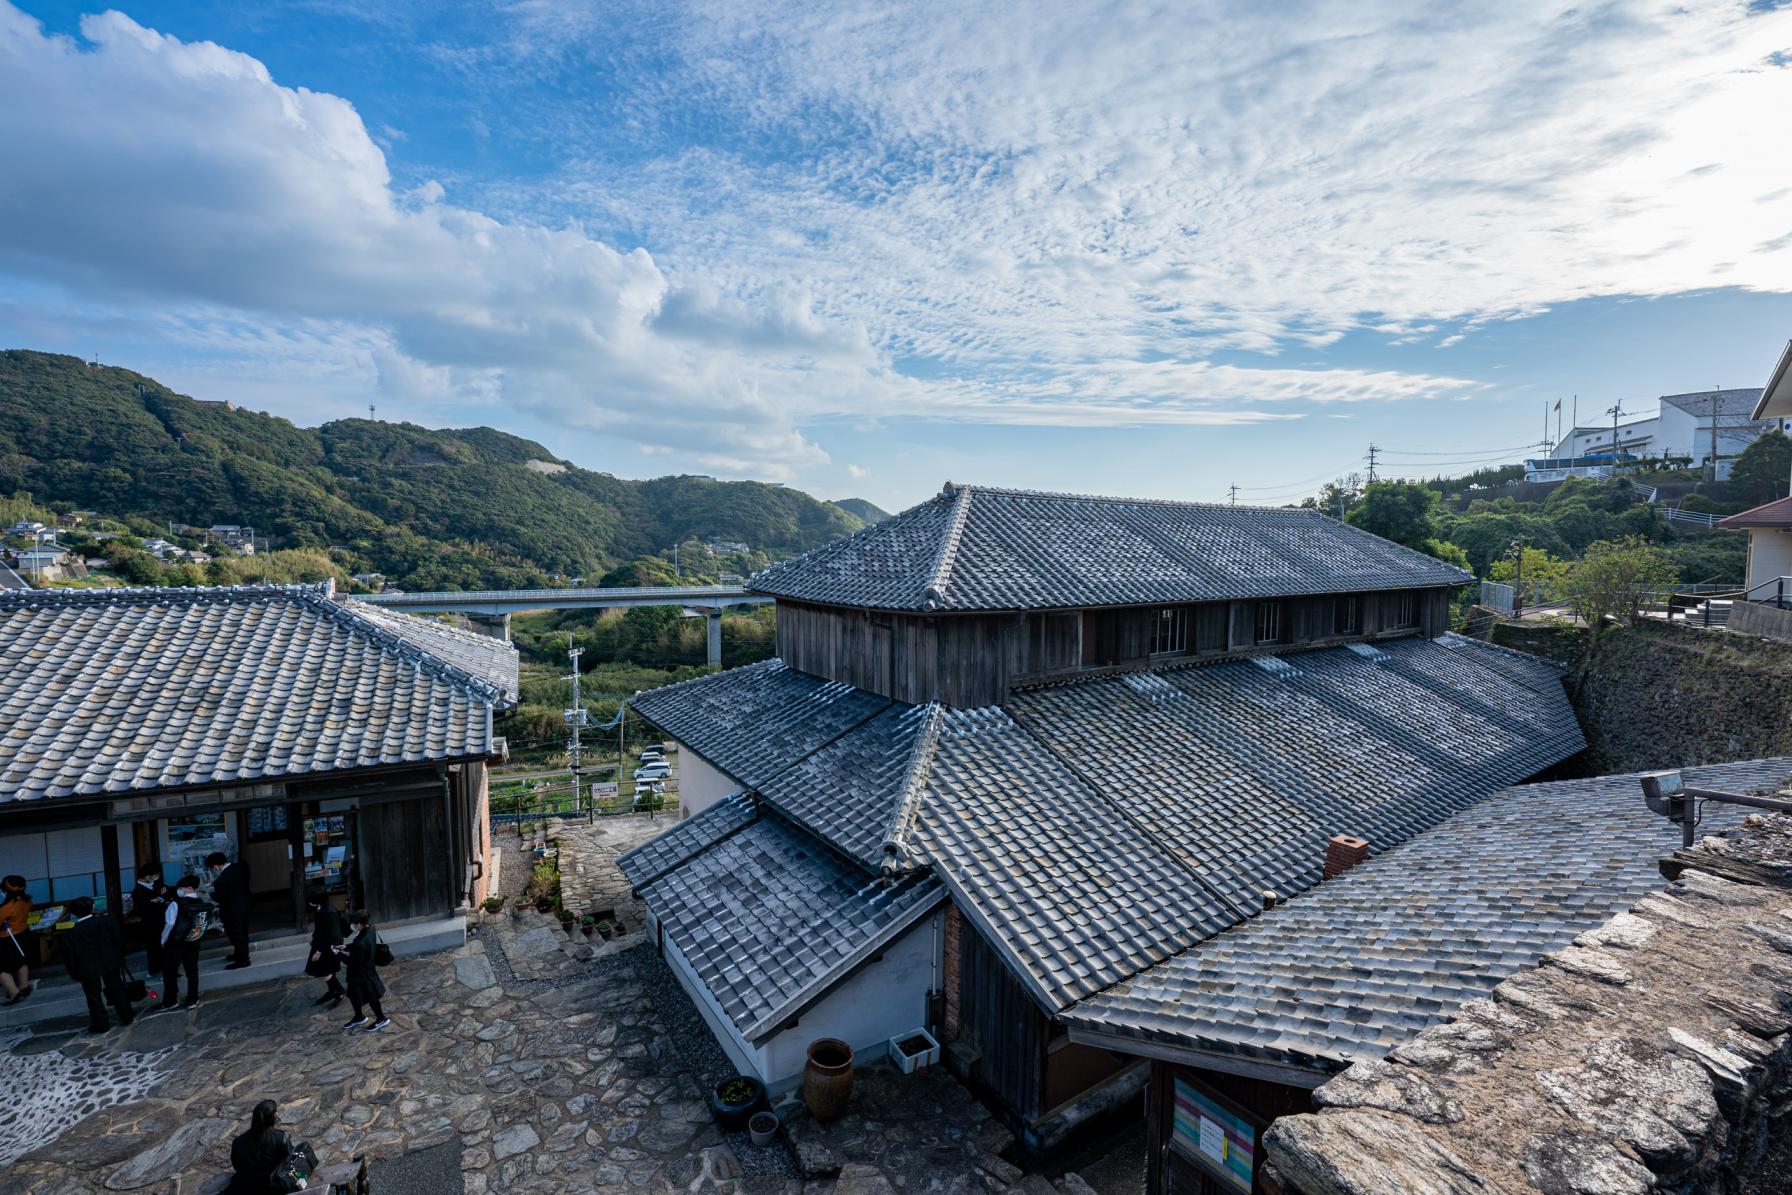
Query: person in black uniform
<point x="230" y="890"/>
<point x="187" y="913"/>
<point x="364" y="986"/>
<point x="93" y="952"/>
<point x="149" y="905"/>
<point x="326" y="936"/>
<point x="254" y="1154"/>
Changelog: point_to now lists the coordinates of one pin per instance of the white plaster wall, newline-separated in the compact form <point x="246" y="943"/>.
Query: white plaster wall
<point x="700" y="785"/>
<point x="885" y="998"/>
<point x="1769" y="556"/>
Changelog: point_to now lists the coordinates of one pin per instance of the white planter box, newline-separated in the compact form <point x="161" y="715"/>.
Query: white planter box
<point x="910" y="1064"/>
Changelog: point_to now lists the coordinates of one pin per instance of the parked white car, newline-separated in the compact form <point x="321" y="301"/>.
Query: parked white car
<point x="652" y="771"/>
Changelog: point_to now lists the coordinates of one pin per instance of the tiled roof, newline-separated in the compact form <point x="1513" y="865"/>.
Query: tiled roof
<point x="855" y="792"/>
<point x="1366" y="960"/>
<point x="972" y="548"/>
<point x="1730" y="403"/>
<point x="1060" y="880"/>
<point x="1094" y="827"/>
<point x="768" y="918"/>
<point x="754" y="722"/>
<point x="485" y="656"/>
<point x="1777" y="513"/>
<point x="127" y="690"/>
<point x="1247" y="768"/>
<point x="686" y="840"/>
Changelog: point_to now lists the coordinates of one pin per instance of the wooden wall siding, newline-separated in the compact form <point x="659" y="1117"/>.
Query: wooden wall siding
<point x="963" y="660"/>
<point x="406" y="862"/>
<point x="971" y="660"/>
<point x="1006" y="1026"/>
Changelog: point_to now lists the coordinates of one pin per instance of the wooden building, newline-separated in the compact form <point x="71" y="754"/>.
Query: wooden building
<point x="1061" y="740"/>
<point x="320" y="741"/>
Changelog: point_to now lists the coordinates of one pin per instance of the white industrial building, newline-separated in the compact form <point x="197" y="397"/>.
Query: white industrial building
<point x="1683" y="427"/>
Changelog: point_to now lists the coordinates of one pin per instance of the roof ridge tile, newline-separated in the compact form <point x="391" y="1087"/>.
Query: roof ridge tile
<point x="934" y="594"/>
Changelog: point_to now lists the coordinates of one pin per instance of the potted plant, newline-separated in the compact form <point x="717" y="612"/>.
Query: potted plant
<point x="518" y="907"/>
<point x="913" y="1052"/>
<point x="587" y="923"/>
<point x="604" y="928"/>
<point x="619" y="928"/>
<point x="763" y="1128"/>
<point x="734" y="1100"/>
<point x="493" y="905"/>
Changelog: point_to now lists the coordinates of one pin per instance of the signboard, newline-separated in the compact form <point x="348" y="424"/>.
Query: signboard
<point x="605" y="790"/>
<point x="1217" y="1140"/>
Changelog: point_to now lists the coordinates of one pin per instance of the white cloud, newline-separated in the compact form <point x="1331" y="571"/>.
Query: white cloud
<point x="1097" y="182"/>
<point x="859" y="211"/>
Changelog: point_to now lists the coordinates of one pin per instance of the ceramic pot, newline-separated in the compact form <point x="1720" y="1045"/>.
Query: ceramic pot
<point x="763" y="1128"/>
<point x="732" y="1115"/>
<point x="827" y="1078"/>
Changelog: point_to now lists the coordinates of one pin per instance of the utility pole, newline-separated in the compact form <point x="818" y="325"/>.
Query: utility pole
<point x="1234" y="492"/>
<point x="1614" y="411"/>
<point x="575" y="717"/>
<point x="370" y="412"/>
<point x="1714" y="397"/>
<point x="1372" y="451"/>
<point x="1518" y="578"/>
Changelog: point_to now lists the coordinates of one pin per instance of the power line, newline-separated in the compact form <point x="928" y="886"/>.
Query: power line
<point x="1372" y="451"/>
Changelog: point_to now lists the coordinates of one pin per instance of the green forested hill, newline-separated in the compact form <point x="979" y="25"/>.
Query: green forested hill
<point x="862" y="509"/>
<point x="428" y="508"/>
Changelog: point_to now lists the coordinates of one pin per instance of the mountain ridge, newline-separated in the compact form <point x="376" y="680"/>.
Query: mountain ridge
<point x="428" y="508"/>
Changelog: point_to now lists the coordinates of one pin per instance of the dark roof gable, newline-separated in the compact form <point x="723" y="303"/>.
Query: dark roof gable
<point x="972" y="548"/>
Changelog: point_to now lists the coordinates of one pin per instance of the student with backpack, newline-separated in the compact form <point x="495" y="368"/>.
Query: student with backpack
<point x="189" y="915"/>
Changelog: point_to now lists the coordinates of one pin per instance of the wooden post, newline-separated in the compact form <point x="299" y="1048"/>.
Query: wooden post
<point x="109" y="860"/>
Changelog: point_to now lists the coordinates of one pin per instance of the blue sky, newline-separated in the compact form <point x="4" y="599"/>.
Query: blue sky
<point x="861" y="248"/>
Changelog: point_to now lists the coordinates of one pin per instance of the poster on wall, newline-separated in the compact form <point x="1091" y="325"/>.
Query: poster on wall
<point x="1214" y="1138"/>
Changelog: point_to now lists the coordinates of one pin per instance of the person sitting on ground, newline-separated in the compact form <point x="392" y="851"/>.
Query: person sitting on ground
<point x="364" y="986"/>
<point x="93" y="952"/>
<point x="15" y="938"/>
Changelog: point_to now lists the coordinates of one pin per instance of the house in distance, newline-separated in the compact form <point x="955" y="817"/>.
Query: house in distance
<point x="1019" y="747"/>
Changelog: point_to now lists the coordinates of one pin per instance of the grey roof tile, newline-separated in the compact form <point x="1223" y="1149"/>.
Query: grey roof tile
<point x="686" y="840"/>
<point x="1730" y="403"/>
<point x="127" y="690"/>
<point x="485" y="656"/>
<point x="1362" y="962"/>
<point x="974" y="548"/>
<point x="767" y="917"/>
<point x="1060" y="880"/>
<point x="1097" y="826"/>
<point x="754" y="722"/>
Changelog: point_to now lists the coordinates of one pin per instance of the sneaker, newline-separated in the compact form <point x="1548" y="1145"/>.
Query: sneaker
<point x="234" y="966"/>
<point x="379" y="1024"/>
<point x="187" y="1004"/>
<point x="327" y="998"/>
<point x="160" y="1006"/>
<point x="356" y="1023"/>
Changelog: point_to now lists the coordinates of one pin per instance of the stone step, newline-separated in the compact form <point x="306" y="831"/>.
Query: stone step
<point x="59" y="997"/>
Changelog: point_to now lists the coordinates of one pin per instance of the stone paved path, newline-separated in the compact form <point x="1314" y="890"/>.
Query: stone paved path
<point x="547" y="1065"/>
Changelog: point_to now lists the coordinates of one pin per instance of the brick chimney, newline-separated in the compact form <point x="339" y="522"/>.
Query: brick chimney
<point x="1344" y="852"/>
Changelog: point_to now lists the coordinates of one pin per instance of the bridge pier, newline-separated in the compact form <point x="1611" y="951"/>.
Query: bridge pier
<point x="715" y="638"/>
<point x="495" y="625"/>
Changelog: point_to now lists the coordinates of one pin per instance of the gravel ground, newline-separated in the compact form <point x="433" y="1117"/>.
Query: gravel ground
<point x="432" y="1171"/>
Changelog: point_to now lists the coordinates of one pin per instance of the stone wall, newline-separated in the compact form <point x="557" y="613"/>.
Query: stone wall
<point x="1650" y="1056"/>
<point x="1661" y="696"/>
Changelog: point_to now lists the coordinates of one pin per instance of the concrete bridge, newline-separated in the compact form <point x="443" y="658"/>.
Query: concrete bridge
<point x="490" y="609"/>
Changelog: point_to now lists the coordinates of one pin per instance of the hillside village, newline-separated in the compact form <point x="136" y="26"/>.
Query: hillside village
<point x="1045" y="842"/>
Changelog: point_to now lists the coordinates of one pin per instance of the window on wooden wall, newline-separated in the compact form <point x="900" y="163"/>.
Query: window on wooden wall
<point x="1347" y="614"/>
<point x="1169" y="632"/>
<point x="1406" y="609"/>
<point x="1269" y="622"/>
